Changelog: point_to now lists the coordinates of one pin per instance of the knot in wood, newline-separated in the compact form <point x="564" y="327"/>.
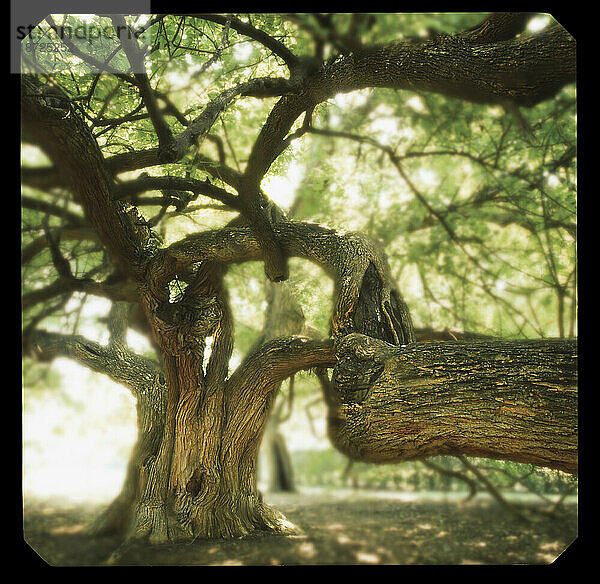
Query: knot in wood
<point x="55" y="102"/>
<point x="184" y="326"/>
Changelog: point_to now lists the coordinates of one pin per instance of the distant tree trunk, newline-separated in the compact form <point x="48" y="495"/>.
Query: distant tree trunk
<point x="279" y="462"/>
<point x="514" y="400"/>
<point x="284" y="316"/>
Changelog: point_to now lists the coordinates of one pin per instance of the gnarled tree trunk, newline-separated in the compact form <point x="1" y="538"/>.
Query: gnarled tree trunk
<point x="192" y="473"/>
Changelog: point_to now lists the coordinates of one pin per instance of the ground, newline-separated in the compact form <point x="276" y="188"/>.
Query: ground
<point x="339" y="527"/>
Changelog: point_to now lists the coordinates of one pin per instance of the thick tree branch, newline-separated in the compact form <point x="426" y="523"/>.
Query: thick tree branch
<point x="515" y="400"/>
<point x="275" y="361"/>
<point x="366" y="297"/>
<point x="134" y="371"/>
<point x="67" y="141"/>
<point x="525" y="70"/>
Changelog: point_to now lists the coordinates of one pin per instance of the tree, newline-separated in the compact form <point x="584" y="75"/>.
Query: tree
<point x="192" y="471"/>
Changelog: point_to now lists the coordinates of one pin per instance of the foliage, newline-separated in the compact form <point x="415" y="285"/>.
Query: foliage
<point x="327" y="468"/>
<point x="481" y="237"/>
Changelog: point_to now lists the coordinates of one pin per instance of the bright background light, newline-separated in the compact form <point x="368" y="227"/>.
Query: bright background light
<point x="76" y="444"/>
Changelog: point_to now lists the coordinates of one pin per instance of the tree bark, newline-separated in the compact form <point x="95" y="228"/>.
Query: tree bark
<point x="514" y="400"/>
<point x="192" y="473"/>
<point x="68" y="142"/>
<point x="526" y="69"/>
<point x="366" y="298"/>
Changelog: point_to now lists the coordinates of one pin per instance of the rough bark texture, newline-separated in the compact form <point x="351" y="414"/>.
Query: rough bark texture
<point x="515" y="400"/>
<point x="526" y="70"/>
<point x="192" y="473"/>
<point x="365" y="298"/>
<point x="65" y="138"/>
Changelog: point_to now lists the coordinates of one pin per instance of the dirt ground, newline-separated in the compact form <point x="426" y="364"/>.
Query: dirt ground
<point x="339" y="528"/>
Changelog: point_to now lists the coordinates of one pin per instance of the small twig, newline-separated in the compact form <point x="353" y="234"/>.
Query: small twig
<point x="492" y="490"/>
<point x="60" y="263"/>
<point x="455" y="474"/>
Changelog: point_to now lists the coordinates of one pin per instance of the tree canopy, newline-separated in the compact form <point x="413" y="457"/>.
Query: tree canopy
<point x="477" y="216"/>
